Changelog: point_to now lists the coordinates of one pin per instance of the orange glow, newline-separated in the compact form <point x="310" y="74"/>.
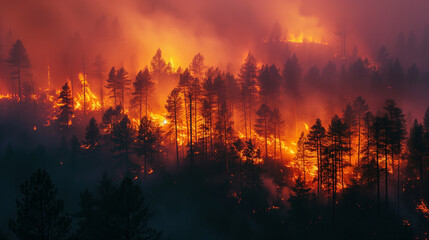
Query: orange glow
<point x="422" y="207"/>
<point x="86" y="97"/>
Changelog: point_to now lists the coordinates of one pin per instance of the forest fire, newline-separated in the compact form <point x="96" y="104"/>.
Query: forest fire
<point x="219" y="119"/>
<point x="86" y="99"/>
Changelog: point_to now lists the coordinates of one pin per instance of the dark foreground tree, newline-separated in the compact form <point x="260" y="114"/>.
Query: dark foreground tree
<point x="133" y="214"/>
<point x="115" y="212"/>
<point x="40" y="215"/>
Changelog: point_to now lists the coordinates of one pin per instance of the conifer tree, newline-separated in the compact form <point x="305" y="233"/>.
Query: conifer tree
<point x="145" y="144"/>
<point x="316" y="142"/>
<point x="262" y="125"/>
<point x="92" y="135"/>
<point x="174" y="114"/>
<point x="19" y="62"/>
<point x="40" y="215"/>
<point x="122" y="137"/>
<point x="66" y="106"/>
<point x="143" y="85"/>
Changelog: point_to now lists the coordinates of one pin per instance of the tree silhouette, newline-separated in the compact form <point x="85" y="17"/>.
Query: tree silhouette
<point x="302" y="156"/>
<point x="269" y="81"/>
<point x="114" y="212"/>
<point x="316" y="141"/>
<point x="112" y="116"/>
<point x="143" y="85"/>
<point x="360" y="108"/>
<point x="197" y="66"/>
<point x="262" y="125"/>
<point x="65" y="106"/>
<point x="113" y="86"/>
<point x="416" y="148"/>
<point x="251" y="165"/>
<point x="276" y="128"/>
<point x="292" y="73"/>
<point x="145" y="144"/>
<point x="248" y="81"/>
<point x="159" y="68"/>
<point x="92" y="135"/>
<point x="123" y="84"/>
<point x="174" y="113"/>
<point x="133" y="214"/>
<point x="396" y="135"/>
<point x="40" y="215"/>
<point x="19" y="61"/>
<point x="122" y="137"/>
<point x="349" y="119"/>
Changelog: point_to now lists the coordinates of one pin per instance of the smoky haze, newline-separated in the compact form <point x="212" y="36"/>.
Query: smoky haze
<point x="129" y="32"/>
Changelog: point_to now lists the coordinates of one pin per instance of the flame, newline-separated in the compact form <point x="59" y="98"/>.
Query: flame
<point x="86" y="97"/>
<point x="306" y="126"/>
<point x="423" y="209"/>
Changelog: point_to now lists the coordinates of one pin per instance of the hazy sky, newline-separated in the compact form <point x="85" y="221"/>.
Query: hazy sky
<point x="129" y="31"/>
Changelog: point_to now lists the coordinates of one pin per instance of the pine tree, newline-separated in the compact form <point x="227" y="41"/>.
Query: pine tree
<point x="40" y="215"/>
<point x="292" y="74"/>
<point x="269" y="81"/>
<point x="122" y="137"/>
<point x="335" y="151"/>
<point x="159" y="68"/>
<point x="262" y="126"/>
<point x="112" y="116"/>
<point x="92" y="135"/>
<point x="123" y="84"/>
<point x="251" y="165"/>
<point x="276" y="128"/>
<point x="113" y="86"/>
<point x="207" y="111"/>
<point x="19" y="62"/>
<point x="133" y="215"/>
<point x="248" y="82"/>
<point x="143" y="85"/>
<point x="66" y="106"/>
<point x="145" y="144"/>
<point x="360" y="108"/>
<point x="396" y="135"/>
<point x="415" y="147"/>
<point x="349" y="119"/>
<point x="302" y="156"/>
<point x="316" y="140"/>
<point x="185" y="84"/>
<point x="225" y="130"/>
<point x="174" y="113"/>
<point x="197" y="66"/>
